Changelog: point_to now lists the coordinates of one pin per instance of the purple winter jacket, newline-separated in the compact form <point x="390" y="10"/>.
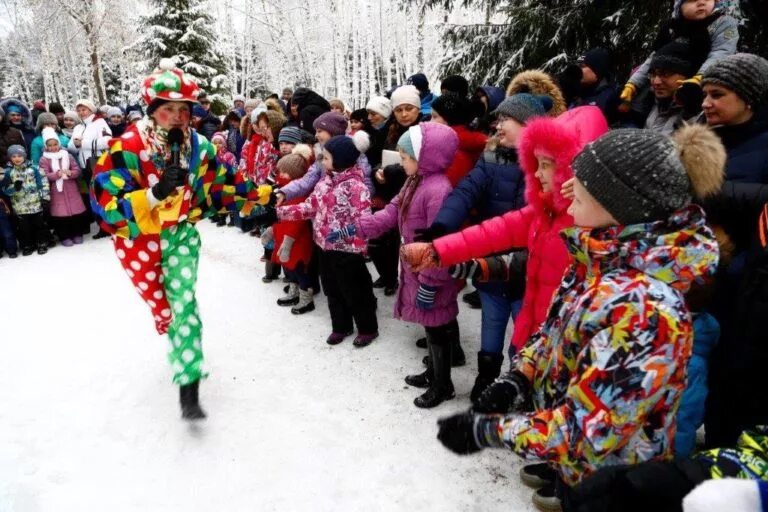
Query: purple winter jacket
<point x="304" y="186"/>
<point x="439" y="144"/>
<point x="68" y="202"/>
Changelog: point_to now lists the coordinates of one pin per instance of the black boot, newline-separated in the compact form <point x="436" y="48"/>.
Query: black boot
<point x="424" y="379"/>
<point x="472" y="299"/>
<point x="271" y="272"/>
<point x="441" y="388"/>
<point x="457" y="353"/>
<point x="190" y="405"/>
<point x="488" y="368"/>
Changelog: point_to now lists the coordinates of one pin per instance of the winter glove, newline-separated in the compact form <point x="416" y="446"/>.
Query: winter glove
<point x="500" y="397"/>
<point x="173" y="176"/>
<point x="17" y="185"/>
<point x="284" y="254"/>
<point x="690" y="96"/>
<point x="628" y="93"/>
<point x="457" y="433"/>
<point x="339" y="234"/>
<point x="466" y="270"/>
<point x="429" y="234"/>
<point x="425" y="297"/>
<point x="267" y="237"/>
<point x="420" y="256"/>
<point x="265" y="194"/>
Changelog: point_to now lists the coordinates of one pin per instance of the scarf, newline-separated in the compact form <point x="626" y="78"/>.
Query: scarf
<point x="156" y="142"/>
<point x="59" y="162"/>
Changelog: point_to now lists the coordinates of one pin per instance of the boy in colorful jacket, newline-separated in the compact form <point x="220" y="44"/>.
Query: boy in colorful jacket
<point x="608" y="367"/>
<point x="149" y="191"/>
<point x="28" y="190"/>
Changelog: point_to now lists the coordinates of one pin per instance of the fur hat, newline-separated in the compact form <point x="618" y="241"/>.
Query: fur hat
<point x="381" y="105"/>
<point x="45" y="118"/>
<point x="539" y="83"/>
<point x="743" y="73"/>
<point x="642" y="176"/>
<point x="273" y="104"/>
<point x="332" y="122"/>
<point x="276" y="122"/>
<point x="49" y="134"/>
<point x="406" y="95"/>
<point x="87" y="104"/>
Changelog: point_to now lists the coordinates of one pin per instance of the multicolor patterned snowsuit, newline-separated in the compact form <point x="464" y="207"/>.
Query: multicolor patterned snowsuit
<point x="159" y="246"/>
<point x="607" y="368"/>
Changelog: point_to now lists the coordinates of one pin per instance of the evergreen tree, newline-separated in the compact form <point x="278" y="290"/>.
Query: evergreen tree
<point x="184" y="31"/>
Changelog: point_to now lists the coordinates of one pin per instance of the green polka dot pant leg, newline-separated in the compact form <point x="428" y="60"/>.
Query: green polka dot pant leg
<point x="180" y="246"/>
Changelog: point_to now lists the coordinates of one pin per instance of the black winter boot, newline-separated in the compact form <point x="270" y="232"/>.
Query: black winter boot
<point x="271" y="272"/>
<point x="424" y="379"/>
<point x="488" y="368"/>
<point x="441" y="388"/>
<point x="457" y="353"/>
<point x="190" y="405"/>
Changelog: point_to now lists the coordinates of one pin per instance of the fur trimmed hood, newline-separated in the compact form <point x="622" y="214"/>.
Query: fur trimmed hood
<point x="538" y="82"/>
<point x="563" y="138"/>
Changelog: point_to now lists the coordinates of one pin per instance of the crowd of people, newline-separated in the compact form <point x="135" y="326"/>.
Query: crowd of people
<point x="622" y="230"/>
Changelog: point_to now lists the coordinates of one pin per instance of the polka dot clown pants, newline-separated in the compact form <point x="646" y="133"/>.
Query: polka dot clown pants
<point x="163" y="268"/>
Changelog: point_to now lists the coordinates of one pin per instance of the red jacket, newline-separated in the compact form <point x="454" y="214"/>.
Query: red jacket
<point x="537" y="226"/>
<point x="471" y="147"/>
<point x="299" y="230"/>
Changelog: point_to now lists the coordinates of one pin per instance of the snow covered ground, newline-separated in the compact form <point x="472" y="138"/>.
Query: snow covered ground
<point x="89" y="420"/>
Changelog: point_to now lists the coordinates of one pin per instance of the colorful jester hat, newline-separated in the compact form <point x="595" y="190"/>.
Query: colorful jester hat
<point x="168" y="83"/>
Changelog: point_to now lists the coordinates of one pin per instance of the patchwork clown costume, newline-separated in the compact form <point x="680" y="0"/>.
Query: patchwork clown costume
<point x="156" y="240"/>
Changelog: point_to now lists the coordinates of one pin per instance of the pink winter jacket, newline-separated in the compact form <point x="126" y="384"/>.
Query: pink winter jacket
<point x="337" y="201"/>
<point x="537" y="226"/>
<point x="68" y="202"/>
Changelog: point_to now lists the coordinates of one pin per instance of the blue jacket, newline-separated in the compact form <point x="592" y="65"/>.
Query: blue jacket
<point x="426" y="104"/>
<point x="495" y="96"/>
<point x="747" y="147"/>
<point x="495" y="186"/>
<point x="690" y="415"/>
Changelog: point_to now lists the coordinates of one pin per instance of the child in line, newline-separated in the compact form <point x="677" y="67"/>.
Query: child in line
<point x="358" y="120"/>
<point x="338" y="200"/>
<point x="68" y="213"/>
<point x="28" y="190"/>
<point x="7" y="235"/>
<point x="427" y="298"/>
<point x="293" y="239"/>
<point x="608" y="367"/>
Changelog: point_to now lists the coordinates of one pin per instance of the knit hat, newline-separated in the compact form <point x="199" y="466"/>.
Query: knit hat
<point x="197" y="111"/>
<point x="523" y="106"/>
<point x="332" y="122"/>
<point x="252" y="102"/>
<point x="16" y="149"/>
<point x="419" y="80"/>
<point x="290" y="134"/>
<point x="220" y="136"/>
<point x="134" y="115"/>
<point x="380" y="105"/>
<point x="14" y="109"/>
<point x="455" y="109"/>
<point x="238" y="97"/>
<point x="641" y="176"/>
<point x="598" y="60"/>
<point x="405" y="142"/>
<point x="48" y="134"/>
<point x="87" y="104"/>
<point x="294" y="165"/>
<point x="45" y="118"/>
<point x="406" y="95"/>
<point x="115" y="111"/>
<point x="39" y="105"/>
<point x="55" y="108"/>
<point x="676" y="57"/>
<point x="456" y="84"/>
<point x="343" y="151"/>
<point x="360" y="115"/>
<point x="69" y="114"/>
<point x="743" y="73"/>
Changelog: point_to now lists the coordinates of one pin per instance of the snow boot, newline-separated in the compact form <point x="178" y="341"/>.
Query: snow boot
<point x="441" y="387"/>
<point x="538" y="476"/>
<point x="546" y="500"/>
<point x="271" y="272"/>
<point x="363" y="340"/>
<point x="337" y="337"/>
<point x="488" y="368"/>
<point x="190" y="404"/>
<point x="42" y="249"/>
<point x="291" y="297"/>
<point x="305" y="304"/>
<point x="457" y="354"/>
<point x="423" y="379"/>
<point x="472" y="299"/>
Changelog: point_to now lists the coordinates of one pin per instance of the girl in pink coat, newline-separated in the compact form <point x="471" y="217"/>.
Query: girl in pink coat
<point x="427" y="298"/>
<point x="339" y="200"/>
<point x="547" y="147"/>
<point x="67" y="208"/>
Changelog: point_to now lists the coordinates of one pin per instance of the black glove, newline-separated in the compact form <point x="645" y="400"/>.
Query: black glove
<point x="172" y="177"/>
<point x="500" y="397"/>
<point x="457" y="433"/>
<point x="429" y="234"/>
<point x="17" y="185"/>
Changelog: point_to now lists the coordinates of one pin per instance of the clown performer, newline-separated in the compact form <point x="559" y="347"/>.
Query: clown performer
<point x="149" y="193"/>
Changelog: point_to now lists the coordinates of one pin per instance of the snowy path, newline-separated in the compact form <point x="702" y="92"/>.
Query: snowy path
<point x="89" y="420"/>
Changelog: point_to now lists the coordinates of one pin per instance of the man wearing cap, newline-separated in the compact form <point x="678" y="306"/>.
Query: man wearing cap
<point x="149" y="190"/>
<point x="595" y="83"/>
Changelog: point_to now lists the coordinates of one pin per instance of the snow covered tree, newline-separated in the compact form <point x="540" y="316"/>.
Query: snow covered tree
<point x="182" y="30"/>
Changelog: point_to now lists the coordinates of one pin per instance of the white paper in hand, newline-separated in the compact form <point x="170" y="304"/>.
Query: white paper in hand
<point x="390" y="158"/>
